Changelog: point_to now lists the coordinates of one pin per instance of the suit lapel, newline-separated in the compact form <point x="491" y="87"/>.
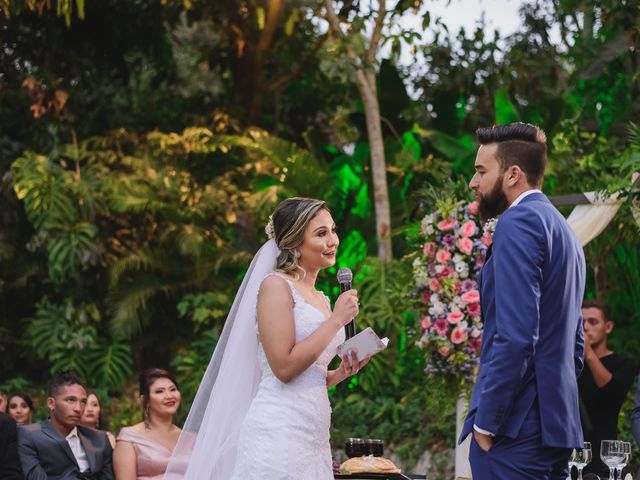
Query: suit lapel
<point x="49" y="430"/>
<point x="89" y="449"/>
<point x="480" y="279"/>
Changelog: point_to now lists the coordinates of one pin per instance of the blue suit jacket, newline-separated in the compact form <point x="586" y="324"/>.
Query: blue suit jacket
<point x="531" y="291"/>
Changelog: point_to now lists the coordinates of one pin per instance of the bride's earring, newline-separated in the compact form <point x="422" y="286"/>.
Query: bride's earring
<point x="296" y="253"/>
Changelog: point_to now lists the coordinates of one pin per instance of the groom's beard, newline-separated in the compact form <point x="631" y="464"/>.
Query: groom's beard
<point x="493" y="203"/>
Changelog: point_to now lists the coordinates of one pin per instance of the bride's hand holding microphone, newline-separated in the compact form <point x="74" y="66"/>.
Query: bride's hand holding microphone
<point x="346" y="308"/>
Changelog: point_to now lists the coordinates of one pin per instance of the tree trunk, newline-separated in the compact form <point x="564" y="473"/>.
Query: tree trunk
<point x="365" y="79"/>
<point x="366" y="83"/>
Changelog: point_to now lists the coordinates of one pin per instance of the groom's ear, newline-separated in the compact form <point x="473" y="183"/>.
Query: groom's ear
<point x="514" y="174"/>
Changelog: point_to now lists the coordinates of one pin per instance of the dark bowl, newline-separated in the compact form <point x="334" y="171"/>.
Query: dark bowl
<point x="355" y="447"/>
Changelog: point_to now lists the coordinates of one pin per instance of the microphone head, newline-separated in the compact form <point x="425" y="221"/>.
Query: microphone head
<point x="345" y="275"/>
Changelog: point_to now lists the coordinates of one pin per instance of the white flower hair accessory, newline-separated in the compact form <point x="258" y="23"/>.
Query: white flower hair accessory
<point x="490" y="226"/>
<point x="271" y="234"/>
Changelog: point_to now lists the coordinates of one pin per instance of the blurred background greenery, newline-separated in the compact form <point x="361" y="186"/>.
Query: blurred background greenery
<point x="143" y="144"/>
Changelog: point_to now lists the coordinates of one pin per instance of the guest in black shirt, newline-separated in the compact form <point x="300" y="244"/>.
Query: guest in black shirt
<point x="603" y="384"/>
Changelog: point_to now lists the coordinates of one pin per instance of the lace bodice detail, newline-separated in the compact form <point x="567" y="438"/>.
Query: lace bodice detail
<point x="285" y="434"/>
<point x="307" y="319"/>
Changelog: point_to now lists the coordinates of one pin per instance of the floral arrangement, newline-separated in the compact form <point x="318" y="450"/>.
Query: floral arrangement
<point x="453" y="246"/>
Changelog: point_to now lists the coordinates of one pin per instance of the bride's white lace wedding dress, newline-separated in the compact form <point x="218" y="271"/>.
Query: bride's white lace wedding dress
<point x="285" y="434"/>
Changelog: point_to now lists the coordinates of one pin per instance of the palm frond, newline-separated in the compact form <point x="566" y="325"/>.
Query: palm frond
<point x="138" y="261"/>
<point x="128" y="304"/>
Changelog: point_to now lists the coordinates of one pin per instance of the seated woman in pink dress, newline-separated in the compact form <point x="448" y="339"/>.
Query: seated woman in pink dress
<point x="142" y="451"/>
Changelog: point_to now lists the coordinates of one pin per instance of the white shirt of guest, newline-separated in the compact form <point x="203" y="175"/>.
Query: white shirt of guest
<point x="78" y="451"/>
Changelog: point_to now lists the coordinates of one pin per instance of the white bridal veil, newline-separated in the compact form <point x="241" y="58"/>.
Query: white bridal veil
<point x="206" y="449"/>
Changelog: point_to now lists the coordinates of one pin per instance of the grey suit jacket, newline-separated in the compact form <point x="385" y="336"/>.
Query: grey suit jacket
<point x="46" y="455"/>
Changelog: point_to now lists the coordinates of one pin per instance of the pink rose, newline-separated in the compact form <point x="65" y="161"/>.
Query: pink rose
<point x="472" y="208"/>
<point x="457" y="287"/>
<point x="434" y="285"/>
<point x="446" y="272"/>
<point x="472" y="296"/>
<point x="429" y="249"/>
<point x="444" y="351"/>
<point x="465" y="245"/>
<point x="443" y="256"/>
<point x="425" y="323"/>
<point x="474" y="309"/>
<point x="441" y="327"/>
<point x="468" y="228"/>
<point x="487" y="239"/>
<point x="459" y="335"/>
<point x="455" y="317"/>
<point x="475" y="344"/>
<point x="448" y="224"/>
<point x="426" y="297"/>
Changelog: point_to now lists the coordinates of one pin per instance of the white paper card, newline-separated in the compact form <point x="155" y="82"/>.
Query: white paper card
<point x="365" y="343"/>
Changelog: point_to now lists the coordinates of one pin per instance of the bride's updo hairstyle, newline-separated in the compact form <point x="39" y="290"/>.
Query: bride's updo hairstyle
<point x="290" y="221"/>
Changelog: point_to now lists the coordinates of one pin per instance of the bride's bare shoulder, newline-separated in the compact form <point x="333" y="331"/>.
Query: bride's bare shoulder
<point x="275" y="287"/>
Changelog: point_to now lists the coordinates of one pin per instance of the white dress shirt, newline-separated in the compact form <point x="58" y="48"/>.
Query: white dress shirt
<point x="524" y="194"/>
<point x="513" y="204"/>
<point x="78" y="451"/>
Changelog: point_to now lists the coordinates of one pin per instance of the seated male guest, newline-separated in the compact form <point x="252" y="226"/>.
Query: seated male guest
<point x="9" y="461"/>
<point x="59" y="448"/>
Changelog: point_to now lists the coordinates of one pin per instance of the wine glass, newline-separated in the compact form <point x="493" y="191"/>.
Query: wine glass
<point x="582" y="457"/>
<point x="626" y="457"/>
<point x="572" y="461"/>
<point x="611" y="454"/>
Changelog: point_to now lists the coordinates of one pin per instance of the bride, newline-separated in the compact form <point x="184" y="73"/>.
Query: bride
<point x="262" y="409"/>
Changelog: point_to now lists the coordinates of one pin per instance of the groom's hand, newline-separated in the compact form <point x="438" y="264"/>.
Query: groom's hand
<point x="485" y="442"/>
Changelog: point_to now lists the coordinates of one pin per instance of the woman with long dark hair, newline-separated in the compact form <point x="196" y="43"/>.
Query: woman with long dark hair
<point x="92" y="417"/>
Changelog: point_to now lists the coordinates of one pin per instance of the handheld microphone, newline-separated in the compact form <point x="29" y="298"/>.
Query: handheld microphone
<point x="344" y="278"/>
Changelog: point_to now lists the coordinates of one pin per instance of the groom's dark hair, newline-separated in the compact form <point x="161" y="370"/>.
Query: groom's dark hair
<point x="519" y="144"/>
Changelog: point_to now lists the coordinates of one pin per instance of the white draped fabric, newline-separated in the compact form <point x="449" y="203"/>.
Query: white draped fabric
<point x="588" y="221"/>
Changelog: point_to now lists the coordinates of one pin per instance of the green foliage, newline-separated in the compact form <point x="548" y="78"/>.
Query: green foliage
<point x="41" y="184"/>
<point x="180" y="131"/>
<point x="204" y="308"/>
<point x="505" y="110"/>
<point x="64" y="8"/>
<point x="391" y="392"/>
<point x="191" y="364"/>
<point x="67" y="335"/>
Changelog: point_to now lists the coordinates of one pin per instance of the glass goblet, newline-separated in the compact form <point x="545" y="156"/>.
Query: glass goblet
<point x="582" y="457"/>
<point x="611" y="454"/>
<point x="626" y="458"/>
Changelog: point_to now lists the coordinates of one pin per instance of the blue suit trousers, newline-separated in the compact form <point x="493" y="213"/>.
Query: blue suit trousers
<point x="522" y="458"/>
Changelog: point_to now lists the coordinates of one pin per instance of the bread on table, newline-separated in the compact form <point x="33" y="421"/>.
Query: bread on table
<point x="368" y="465"/>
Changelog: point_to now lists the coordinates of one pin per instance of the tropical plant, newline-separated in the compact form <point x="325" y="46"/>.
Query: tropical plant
<point x="67" y="336"/>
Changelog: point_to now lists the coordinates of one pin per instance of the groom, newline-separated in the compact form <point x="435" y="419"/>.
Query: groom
<point x="524" y="414"/>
